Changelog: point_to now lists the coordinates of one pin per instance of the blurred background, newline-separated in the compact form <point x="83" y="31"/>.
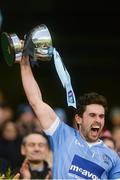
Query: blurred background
<point x="87" y="36"/>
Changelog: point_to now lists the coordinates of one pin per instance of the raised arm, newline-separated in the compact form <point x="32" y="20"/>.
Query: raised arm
<point x="43" y="111"/>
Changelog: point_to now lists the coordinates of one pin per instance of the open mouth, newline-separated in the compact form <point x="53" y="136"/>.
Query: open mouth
<point x="95" y="129"/>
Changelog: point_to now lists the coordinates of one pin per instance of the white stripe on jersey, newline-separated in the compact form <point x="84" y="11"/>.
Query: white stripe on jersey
<point x="53" y="127"/>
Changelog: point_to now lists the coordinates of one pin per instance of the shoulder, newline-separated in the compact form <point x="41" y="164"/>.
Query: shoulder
<point x="108" y="152"/>
<point x="59" y="126"/>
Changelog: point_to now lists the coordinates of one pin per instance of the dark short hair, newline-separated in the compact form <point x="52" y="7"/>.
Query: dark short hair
<point x="90" y="98"/>
<point x="41" y="133"/>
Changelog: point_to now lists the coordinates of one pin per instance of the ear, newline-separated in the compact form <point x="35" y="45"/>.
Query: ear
<point x="78" y="119"/>
<point x="23" y="150"/>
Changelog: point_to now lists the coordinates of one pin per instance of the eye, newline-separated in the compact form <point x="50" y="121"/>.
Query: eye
<point x="42" y="144"/>
<point x="92" y="114"/>
<point x="31" y="144"/>
<point x="102" y="116"/>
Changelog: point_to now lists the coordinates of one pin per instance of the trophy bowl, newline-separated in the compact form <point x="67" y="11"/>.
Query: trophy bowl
<point x="11" y="48"/>
<point x="38" y="43"/>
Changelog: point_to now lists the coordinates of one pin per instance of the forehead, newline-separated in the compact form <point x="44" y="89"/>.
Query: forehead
<point x="35" y="138"/>
<point x="95" y="108"/>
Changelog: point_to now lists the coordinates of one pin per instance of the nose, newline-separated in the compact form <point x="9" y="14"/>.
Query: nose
<point x="98" y="119"/>
<point x="36" y="147"/>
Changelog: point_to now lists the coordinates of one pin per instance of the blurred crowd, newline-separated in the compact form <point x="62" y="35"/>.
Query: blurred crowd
<point x="26" y="149"/>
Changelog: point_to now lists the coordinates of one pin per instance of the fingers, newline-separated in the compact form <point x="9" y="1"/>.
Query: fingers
<point x="24" y="170"/>
<point x="22" y="43"/>
<point x="25" y="165"/>
<point x="49" y="175"/>
<point x="16" y="177"/>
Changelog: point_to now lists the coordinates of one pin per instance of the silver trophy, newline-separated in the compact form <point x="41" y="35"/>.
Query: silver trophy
<point x="37" y="44"/>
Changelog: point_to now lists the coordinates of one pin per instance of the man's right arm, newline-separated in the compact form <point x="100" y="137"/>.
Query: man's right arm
<point x="43" y="111"/>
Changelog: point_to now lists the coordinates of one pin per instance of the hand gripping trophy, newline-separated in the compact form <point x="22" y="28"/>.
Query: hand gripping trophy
<point x="37" y="44"/>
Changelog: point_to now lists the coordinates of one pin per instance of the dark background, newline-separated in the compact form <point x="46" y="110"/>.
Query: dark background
<point x="87" y="36"/>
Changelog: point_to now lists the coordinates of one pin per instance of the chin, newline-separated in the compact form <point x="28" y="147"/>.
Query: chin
<point x="35" y="161"/>
<point x="92" y="139"/>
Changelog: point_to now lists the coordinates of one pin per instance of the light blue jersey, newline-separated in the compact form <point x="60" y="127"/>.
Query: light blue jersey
<point x="75" y="159"/>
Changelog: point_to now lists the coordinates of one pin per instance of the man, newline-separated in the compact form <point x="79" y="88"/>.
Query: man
<point x="35" y="147"/>
<point x="77" y="154"/>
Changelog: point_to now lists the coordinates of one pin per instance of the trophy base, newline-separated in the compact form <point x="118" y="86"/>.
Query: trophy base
<point x="11" y="48"/>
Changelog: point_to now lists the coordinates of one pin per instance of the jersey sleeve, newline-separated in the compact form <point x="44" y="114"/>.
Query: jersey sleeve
<point x="115" y="171"/>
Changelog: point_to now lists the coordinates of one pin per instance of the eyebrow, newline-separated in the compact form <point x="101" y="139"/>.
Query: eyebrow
<point x="96" y="113"/>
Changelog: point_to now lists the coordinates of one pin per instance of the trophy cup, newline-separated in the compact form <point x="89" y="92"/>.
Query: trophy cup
<point x="37" y="45"/>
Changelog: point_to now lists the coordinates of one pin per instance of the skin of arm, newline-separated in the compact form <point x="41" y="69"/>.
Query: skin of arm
<point x="43" y="111"/>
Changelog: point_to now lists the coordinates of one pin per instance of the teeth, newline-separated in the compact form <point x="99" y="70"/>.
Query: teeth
<point x="96" y="127"/>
